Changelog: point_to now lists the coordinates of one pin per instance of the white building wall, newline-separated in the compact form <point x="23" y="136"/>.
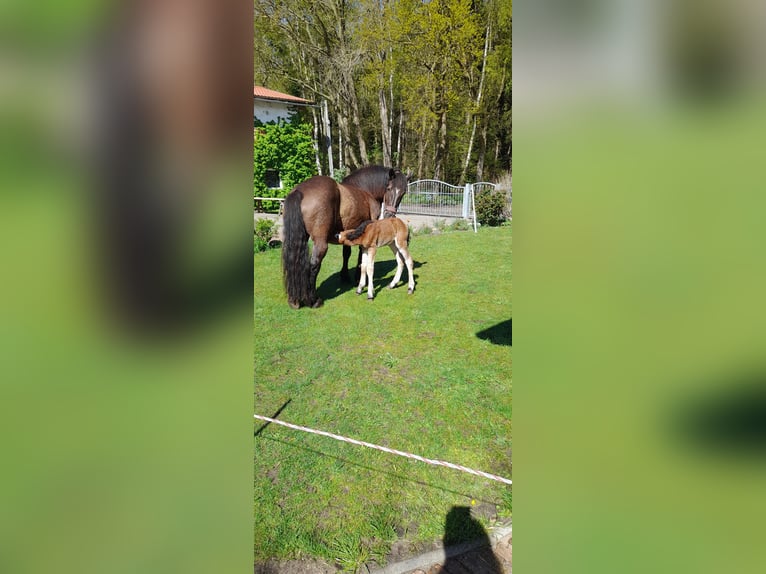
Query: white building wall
<point x="268" y="111"/>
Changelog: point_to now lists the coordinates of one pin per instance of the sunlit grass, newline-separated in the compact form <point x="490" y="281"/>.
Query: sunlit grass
<point x="408" y="372"/>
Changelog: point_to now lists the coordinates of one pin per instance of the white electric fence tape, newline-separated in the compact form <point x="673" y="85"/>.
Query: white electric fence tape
<point x="388" y="450"/>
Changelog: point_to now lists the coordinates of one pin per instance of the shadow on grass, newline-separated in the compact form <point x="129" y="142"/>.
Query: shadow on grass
<point x="500" y="334"/>
<point x="466" y="544"/>
<point x="275" y="415"/>
<point x="372" y="469"/>
<point x="730" y="422"/>
<point x="332" y="287"/>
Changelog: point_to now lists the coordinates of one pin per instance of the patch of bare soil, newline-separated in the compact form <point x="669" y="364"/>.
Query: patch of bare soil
<point x="308" y="566"/>
<point x="404" y="549"/>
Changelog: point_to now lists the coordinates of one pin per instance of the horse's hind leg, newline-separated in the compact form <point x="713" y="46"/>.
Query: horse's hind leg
<point x="317" y="254"/>
<point x="399" y="266"/>
<point x="410" y="266"/>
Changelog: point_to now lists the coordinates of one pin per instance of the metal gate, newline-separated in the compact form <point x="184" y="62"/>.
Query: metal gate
<point x="440" y="199"/>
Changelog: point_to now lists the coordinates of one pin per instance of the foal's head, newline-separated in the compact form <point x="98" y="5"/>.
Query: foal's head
<point x="395" y="190"/>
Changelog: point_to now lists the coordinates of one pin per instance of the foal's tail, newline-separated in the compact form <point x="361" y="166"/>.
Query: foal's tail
<point x="295" y="258"/>
<point x="359" y="230"/>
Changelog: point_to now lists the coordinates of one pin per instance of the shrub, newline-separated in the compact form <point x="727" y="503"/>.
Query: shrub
<point x="287" y="147"/>
<point x="264" y="231"/>
<point x="490" y="208"/>
<point x="461" y="225"/>
<point x="339" y="174"/>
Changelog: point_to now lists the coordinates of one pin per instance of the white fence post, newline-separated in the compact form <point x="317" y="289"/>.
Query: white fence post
<point x="439" y="199"/>
<point x="466" y="199"/>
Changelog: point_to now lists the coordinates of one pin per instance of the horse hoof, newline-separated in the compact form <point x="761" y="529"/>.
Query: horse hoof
<point x="370" y="298"/>
<point x="410" y="291"/>
<point x="294" y="304"/>
<point x="317" y="304"/>
<point x="358" y="291"/>
<point x="391" y="286"/>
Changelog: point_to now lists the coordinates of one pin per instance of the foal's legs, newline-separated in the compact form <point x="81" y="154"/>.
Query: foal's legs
<point x="370" y="271"/>
<point x="363" y="272"/>
<point x="399" y="265"/>
<point x="410" y="265"/>
<point x="403" y="256"/>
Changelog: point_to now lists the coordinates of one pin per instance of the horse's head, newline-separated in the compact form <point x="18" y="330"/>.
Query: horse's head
<point x="395" y="190"/>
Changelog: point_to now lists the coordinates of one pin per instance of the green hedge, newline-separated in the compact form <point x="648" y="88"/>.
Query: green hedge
<point x="490" y="208"/>
<point x="284" y="146"/>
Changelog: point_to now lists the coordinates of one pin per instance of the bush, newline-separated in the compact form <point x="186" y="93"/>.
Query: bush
<point x="340" y="174"/>
<point x="264" y="231"/>
<point x="287" y="147"/>
<point x="490" y="208"/>
<point x="461" y="225"/>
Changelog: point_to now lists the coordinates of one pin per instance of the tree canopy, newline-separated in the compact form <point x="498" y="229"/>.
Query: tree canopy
<point x="424" y="85"/>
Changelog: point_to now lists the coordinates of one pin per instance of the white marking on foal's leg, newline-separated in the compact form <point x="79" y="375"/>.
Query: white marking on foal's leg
<point x="410" y="266"/>
<point x="399" y="265"/>
<point x="362" y="272"/>
<point x="370" y="272"/>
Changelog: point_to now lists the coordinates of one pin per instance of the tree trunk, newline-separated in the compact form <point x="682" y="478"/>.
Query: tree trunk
<point x="391" y="114"/>
<point x="399" y="158"/>
<point x="385" y="132"/>
<point x="316" y="140"/>
<point x="349" y="154"/>
<point x="482" y="153"/>
<point x="328" y="136"/>
<point x="421" y="149"/>
<point x="464" y="173"/>
<point x="358" y="127"/>
<point x="441" y="146"/>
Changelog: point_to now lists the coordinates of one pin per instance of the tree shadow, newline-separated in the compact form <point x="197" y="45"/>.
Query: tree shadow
<point x="730" y="422"/>
<point x="466" y="545"/>
<point x="500" y="334"/>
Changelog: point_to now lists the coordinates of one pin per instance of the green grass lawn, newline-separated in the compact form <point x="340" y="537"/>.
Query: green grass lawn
<point x="416" y="373"/>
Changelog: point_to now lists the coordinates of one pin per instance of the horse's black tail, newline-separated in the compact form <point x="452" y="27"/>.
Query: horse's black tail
<point x="295" y="257"/>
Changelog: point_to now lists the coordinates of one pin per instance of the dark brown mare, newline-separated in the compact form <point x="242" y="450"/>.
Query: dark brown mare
<point x="321" y="208"/>
<point x="375" y="179"/>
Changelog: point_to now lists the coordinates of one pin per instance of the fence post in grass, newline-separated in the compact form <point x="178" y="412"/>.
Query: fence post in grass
<point x="466" y="200"/>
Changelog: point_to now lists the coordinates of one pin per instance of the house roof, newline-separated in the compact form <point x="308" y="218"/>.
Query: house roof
<point x="267" y="94"/>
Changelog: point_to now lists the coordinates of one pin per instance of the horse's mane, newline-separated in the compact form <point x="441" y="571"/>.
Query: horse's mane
<point x="359" y="230"/>
<point x="369" y="177"/>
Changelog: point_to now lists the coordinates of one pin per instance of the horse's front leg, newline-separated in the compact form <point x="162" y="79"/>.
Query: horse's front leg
<point x="344" y="270"/>
<point x="317" y="254"/>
